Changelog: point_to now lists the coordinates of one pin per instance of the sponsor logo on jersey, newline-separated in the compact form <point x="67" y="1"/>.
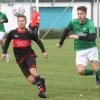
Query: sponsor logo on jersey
<point x="16" y="36"/>
<point x="81" y="34"/>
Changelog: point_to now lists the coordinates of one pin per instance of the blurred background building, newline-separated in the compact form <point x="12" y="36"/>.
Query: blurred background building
<point x="54" y="13"/>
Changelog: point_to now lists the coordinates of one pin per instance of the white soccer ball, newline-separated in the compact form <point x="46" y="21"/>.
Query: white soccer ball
<point x="18" y="10"/>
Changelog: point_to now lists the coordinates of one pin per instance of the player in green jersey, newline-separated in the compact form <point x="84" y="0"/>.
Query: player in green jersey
<point x="84" y="35"/>
<point x="3" y="19"/>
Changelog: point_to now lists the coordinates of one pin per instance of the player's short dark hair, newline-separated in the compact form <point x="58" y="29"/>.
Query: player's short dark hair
<point x="82" y="8"/>
<point x="21" y="16"/>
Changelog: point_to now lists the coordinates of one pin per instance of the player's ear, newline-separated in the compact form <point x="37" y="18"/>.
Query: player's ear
<point x="26" y="21"/>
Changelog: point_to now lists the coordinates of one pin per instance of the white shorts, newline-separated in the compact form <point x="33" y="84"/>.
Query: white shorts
<point x="2" y="34"/>
<point x="83" y="57"/>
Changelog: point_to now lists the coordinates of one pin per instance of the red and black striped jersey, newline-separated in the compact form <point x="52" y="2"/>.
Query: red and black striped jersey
<point x="21" y="42"/>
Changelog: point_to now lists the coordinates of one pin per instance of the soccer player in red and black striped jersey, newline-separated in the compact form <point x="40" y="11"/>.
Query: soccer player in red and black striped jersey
<point x="35" y="21"/>
<point x="24" y="54"/>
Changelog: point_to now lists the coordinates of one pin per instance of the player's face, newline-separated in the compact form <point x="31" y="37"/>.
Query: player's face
<point x="81" y="15"/>
<point x="34" y="9"/>
<point x="21" y="22"/>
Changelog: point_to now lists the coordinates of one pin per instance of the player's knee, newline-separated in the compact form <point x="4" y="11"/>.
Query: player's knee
<point x="95" y="65"/>
<point x="80" y="70"/>
<point x="33" y="71"/>
<point x="31" y="79"/>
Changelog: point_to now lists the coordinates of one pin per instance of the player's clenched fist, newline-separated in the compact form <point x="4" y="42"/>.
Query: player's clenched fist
<point x="45" y="54"/>
<point x="3" y="56"/>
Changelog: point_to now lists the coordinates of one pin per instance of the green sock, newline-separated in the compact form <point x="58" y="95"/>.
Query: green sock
<point x="98" y="74"/>
<point x="88" y="72"/>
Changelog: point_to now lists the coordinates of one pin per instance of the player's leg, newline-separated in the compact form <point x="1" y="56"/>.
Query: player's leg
<point x="96" y="69"/>
<point x="81" y="62"/>
<point x="94" y="61"/>
<point x="40" y="82"/>
<point x="30" y="73"/>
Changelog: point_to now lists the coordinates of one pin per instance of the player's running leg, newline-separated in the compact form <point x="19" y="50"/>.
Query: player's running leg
<point x="96" y="69"/>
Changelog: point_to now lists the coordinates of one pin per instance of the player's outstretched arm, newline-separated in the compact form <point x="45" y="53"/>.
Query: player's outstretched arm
<point x="90" y="37"/>
<point x="7" y="42"/>
<point x="65" y="34"/>
<point x="40" y="44"/>
<point x="73" y="36"/>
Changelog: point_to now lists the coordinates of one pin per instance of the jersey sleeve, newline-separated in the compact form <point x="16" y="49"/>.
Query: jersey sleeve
<point x="5" y="18"/>
<point x="35" y="38"/>
<point x="65" y="33"/>
<point x="91" y="28"/>
<point x="7" y="42"/>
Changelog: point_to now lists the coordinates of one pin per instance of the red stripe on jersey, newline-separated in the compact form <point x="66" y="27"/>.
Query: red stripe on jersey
<point x="19" y="43"/>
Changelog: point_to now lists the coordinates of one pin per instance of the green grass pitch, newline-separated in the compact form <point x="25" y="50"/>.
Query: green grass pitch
<point x="62" y="81"/>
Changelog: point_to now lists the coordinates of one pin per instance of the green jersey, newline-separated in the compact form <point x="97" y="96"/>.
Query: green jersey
<point x="2" y="17"/>
<point x="82" y="29"/>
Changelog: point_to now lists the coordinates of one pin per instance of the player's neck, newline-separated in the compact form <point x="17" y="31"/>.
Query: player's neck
<point x="22" y="29"/>
<point x="83" y="21"/>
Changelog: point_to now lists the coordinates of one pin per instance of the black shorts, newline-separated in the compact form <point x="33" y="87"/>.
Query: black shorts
<point x="29" y="61"/>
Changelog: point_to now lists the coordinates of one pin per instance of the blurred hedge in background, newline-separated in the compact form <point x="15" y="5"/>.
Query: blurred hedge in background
<point x="52" y="34"/>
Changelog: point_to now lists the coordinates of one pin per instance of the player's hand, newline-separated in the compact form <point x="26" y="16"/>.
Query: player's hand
<point x="3" y="56"/>
<point x="58" y="45"/>
<point x="73" y="36"/>
<point x="45" y="54"/>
